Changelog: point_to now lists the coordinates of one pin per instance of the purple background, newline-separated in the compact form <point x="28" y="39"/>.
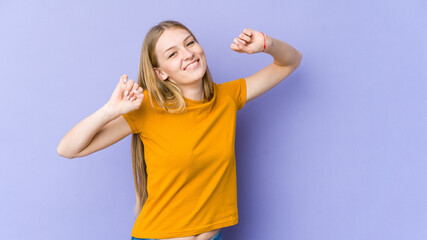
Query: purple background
<point x="336" y="151"/>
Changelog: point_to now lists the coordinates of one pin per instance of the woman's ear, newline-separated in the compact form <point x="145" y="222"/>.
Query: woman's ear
<point x="160" y="74"/>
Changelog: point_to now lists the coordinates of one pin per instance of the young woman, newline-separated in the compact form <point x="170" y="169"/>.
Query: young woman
<point x="183" y="127"/>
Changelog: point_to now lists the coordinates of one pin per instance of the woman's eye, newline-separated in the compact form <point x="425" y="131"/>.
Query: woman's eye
<point x="192" y="42"/>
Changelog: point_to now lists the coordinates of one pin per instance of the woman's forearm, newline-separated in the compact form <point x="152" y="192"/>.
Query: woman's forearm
<point x="83" y="133"/>
<point x="283" y="53"/>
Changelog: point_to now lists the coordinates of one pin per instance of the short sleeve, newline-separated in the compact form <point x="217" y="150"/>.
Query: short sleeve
<point x="135" y="118"/>
<point x="130" y="119"/>
<point x="237" y="90"/>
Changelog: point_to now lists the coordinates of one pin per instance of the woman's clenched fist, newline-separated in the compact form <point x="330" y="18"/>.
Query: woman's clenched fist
<point x="127" y="96"/>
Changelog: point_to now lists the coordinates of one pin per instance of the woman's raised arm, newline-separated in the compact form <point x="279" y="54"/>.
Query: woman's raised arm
<point x="286" y="60"/>
<point x="104" y="127"/>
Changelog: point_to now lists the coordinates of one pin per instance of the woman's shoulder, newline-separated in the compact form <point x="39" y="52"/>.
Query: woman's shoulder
<point x="235" y="83"/>
<point x="232" y="87"/>
<point x="236" y="89"/>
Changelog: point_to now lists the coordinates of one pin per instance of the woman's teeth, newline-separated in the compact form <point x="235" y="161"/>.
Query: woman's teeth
<point x="193" y="65"/>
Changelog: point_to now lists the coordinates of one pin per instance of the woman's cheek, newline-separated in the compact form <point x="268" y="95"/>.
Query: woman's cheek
<point x="177" y="65"/>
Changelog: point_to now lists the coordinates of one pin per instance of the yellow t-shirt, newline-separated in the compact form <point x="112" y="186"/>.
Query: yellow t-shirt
<point x="190" y="163"/>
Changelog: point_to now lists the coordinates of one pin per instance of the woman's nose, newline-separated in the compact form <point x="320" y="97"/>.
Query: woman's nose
<point x="187" y="54"/>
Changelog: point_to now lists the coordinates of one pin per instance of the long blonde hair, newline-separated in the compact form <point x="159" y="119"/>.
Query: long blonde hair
<point x="166" y="94"/>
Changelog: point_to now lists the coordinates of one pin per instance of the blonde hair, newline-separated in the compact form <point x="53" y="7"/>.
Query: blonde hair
<point x="167" y="95"/>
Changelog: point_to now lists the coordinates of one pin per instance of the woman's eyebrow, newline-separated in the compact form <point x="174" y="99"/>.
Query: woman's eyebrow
<point x="175" y="46"/>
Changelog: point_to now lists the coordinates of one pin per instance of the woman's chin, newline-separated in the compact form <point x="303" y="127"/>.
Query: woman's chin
<point x="198" y="75"/>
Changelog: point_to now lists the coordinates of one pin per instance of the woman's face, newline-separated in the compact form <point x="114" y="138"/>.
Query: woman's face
<point x="176" y="49"/>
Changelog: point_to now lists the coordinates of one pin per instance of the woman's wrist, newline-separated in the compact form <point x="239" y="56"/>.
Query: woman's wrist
<point x="283" y="53"/>
<point x="109" y="112"/>
<point x="268" y="43"/>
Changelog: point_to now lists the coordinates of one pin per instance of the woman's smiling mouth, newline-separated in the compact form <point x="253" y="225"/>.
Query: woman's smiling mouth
<point x="193" y="65"/>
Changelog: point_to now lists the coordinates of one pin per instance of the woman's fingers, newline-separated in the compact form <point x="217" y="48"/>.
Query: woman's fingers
<point x="123" y="78"/>
<point x="239" y="41"/>
<point x="247" y="31"/>
<point x="242" y="41"/>
<point x="133" y="92"/>
<point x="135" y="96"/>
<point x="136" y="92"/>
<point x="129" y="85"/>
<point x="235" y="47"/>
<point x="120" y="87"/>
<point x="239" y="45"/>
<point x="121" y="81"/>
<point x="245" y="37"/>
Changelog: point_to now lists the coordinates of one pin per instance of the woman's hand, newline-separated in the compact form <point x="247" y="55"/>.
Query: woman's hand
<point x="126" y="97"/>
<point x="249" y="41"/>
